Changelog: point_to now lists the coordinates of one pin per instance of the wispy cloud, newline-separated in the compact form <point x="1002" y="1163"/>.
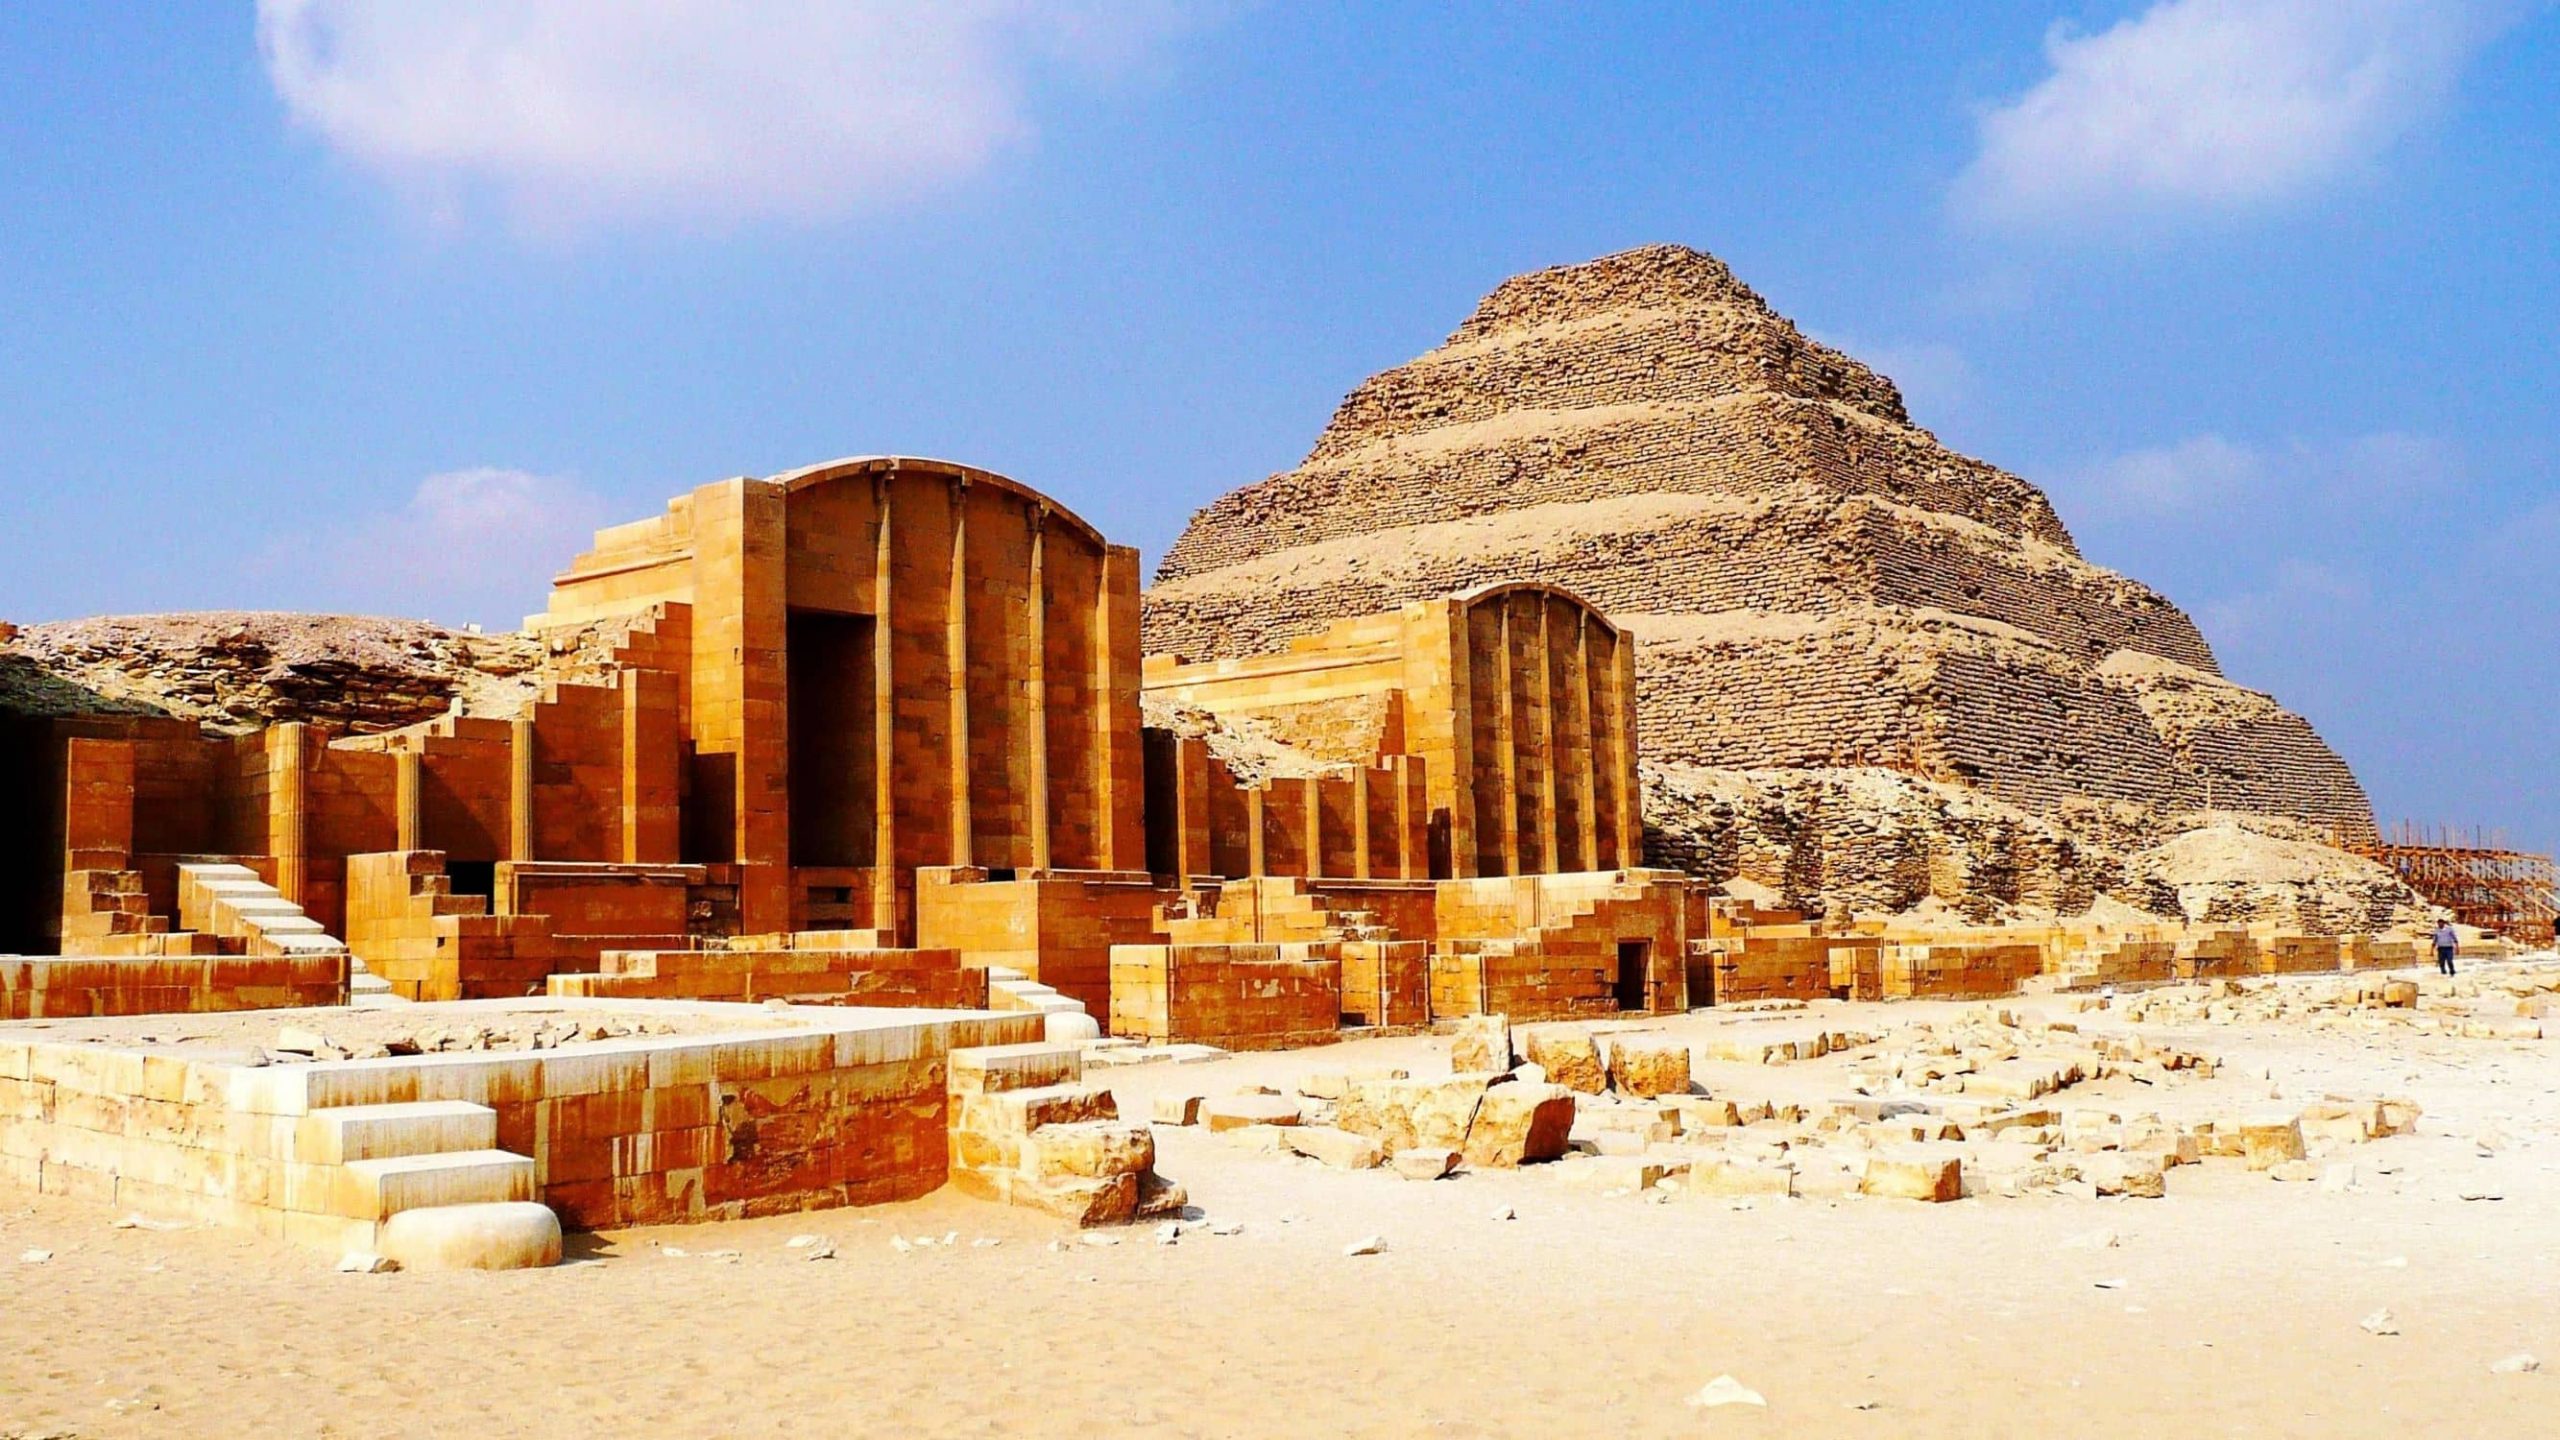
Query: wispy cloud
<point x="569" y="114"/>
<point x="2205" y="475"/>
<point x="2198" y="108"/>
<point x="478" y="545"/>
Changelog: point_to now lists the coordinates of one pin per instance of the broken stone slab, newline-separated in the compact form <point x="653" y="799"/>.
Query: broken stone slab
<point x="2133" y="1176"/>
<point x="1481" y="1045"/>
<point x="1913" y="1175"/>
<point x="1338" y="1148"/>
<point x="1402" y="1114"/>
<point x="1740" y="1178"/>
<point x="1648" y="1065"/>
<point x="2268" y="1140"/>
<point x="1567" y="1056"/>
<point x="1518" y="1124"/>
<point x="1235" y="1112"/>
<point x="1177" y="1109"/>
<point x="1423" y="1164"/>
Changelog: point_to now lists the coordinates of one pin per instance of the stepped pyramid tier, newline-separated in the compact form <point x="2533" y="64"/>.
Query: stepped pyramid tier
<point x="1812" y="579"/>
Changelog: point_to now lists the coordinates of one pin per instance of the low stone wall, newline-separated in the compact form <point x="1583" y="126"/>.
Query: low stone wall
<point x="1237" y="997"/>
<point x="1958" y="972"/>
<point x="39" y="988"/>
<point x="1386" y="982"/>
<point x="762" y="1115"/>
<point x="933" y="979"/>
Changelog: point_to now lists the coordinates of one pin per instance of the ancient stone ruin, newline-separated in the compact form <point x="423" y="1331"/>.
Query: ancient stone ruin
<point x="1817" y="589"/>
<point x="1629" y="654"/>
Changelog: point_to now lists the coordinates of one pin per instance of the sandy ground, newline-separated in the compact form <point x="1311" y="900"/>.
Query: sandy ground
<point x="2232" y="1306"/>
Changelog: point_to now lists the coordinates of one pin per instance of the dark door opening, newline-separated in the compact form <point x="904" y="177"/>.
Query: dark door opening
<point x="832" y="785"/>
<point x="1633" y="963"/>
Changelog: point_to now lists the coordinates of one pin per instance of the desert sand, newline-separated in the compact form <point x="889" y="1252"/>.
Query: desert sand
<point x="2231" y="1307"/>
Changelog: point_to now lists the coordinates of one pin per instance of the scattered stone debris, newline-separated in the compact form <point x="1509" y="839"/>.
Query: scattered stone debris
<point x="1367" y="1245"/>
<point x="365" y="1262"/>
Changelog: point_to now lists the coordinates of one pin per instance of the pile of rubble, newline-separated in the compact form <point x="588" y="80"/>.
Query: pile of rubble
<point x="1940" y="1111"/>
<point x="2518" y="1003"/>
<point x="242" y="670"/>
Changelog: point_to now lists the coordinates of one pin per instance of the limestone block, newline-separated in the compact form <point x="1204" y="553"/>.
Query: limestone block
<point x="1235" y="1112"/>
<point x="2342" y="1122"/>
<point x="988" y="1069"/>
<point x="1699" y="1113"/>
<point x="1648" y="1065"/>
<point x="1094" y="1149"/>
<point x="1173" y="1109"/>
<point x="1401" y="1114"/>
<point x="1424" y="1164"/>
<point x="1338" y="1148"/>
<point x="1519" y="1124"/>
<point x="1913" y="1175"/>
<point x="1111" y="1200"/>
<point x="1741" y="1178"/>
<point x="2399" y="1116"/>
<point x="1069" y="1027"/>
<point x="2267" y="1141"/>
<point x="516" y="1235"/>
<point x="2136" y="1176"/>
<point x="1568" y="1057"/>
<point x="1635" y="1173"/>
<point x="1482" y="1045"/>
<point x="1444" y="1111"/>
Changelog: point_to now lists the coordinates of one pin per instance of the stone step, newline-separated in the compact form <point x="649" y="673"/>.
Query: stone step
<point x="379" y="1189"/>
<point x="1016" y="1114"/>
<point x="339" y="1134"/>
<point x="993" y="1069"/>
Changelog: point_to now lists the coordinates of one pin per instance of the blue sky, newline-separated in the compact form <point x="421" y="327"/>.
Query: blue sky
<point x="374" y="306"/>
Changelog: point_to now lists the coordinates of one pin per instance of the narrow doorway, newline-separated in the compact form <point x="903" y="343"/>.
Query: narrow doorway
<point x="1633" y="958"/>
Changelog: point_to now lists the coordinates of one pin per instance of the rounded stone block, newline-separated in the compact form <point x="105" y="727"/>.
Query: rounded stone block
<point x="506" y="1235"/>
<point x="1069" y="1027"/>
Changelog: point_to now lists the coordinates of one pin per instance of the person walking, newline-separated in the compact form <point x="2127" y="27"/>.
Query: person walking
<point x="2446" y="940"/>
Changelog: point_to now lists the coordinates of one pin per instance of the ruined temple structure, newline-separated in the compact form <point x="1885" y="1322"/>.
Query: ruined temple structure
<point x="1514" y="702"/>
<point x="1813" y="582"/>
<point x="874" y="729"/>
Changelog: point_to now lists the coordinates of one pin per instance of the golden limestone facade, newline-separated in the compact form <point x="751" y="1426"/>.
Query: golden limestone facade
<point x="879" y="733"/>
<point x="1512" y="703"/>
<point x="871" y="732"/>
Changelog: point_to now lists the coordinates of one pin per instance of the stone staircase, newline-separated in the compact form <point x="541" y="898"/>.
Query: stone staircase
<point x="1010" y="990"/>
<point x="392" y="1169"/>
<point x="106" y="913"/>
<point x="230" y="903"/>
<point x="1026" y="1130"/>
<point x="1273" y="910"/>
<point x="428" y="943"/>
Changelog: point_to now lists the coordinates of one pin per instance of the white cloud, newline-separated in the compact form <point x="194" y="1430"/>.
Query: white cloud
<point x="2214" y="106"/>
<point x="2301" y="481"/>
<point x="573" y="113"/>
<point x="476" y="545"/>
<point x="2293" y="594"/>
<point x="2200" y="472"/>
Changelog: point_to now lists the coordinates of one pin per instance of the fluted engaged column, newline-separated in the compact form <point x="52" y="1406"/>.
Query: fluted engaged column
<point x="1038" y="798"/>
<point x="956" y="661"/>
<point x="884" y="714"/>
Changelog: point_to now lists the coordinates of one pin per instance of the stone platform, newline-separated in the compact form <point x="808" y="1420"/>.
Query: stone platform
<point x="709" y="1111"/>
